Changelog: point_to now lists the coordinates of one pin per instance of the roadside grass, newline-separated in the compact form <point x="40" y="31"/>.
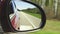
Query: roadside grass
<point x="34" y="14"/>
<point x="51" y="27"/>
<point x="44" y="32"/>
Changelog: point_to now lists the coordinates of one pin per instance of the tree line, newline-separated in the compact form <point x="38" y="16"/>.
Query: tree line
<point x="51" y="7"/>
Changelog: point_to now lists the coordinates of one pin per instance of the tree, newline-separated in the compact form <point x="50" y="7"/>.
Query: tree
<point x="43" y="3"/>
<point x="56" y="8"/>
<point x="47" y="3"/>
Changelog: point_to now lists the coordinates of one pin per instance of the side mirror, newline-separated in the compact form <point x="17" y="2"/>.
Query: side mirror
<point x="26" y="16"/>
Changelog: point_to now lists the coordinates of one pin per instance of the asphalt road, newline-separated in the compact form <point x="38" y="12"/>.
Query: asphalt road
<point x="29" y="20"/>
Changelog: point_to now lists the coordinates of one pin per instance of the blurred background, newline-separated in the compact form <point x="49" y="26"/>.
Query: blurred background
<point x="52" y="11"/>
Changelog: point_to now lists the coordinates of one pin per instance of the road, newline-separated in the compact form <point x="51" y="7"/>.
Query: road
<point x="29" y="20"/>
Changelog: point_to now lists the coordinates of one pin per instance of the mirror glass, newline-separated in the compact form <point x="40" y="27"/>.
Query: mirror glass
<point x="26" y="16"/>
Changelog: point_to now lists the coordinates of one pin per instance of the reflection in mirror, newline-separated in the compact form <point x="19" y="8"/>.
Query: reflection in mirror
<point x="25" y="17"/>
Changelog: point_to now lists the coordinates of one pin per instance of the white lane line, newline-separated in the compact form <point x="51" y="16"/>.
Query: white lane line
<point x="29" y="20"/>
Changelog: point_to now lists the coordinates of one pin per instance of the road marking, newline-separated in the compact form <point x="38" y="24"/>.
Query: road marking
<point x="29" y="20"/>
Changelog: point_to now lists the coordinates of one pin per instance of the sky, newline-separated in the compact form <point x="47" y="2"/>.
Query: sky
<point x="23" y="5"/>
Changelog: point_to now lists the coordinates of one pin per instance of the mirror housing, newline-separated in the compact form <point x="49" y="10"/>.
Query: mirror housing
<point x="5" y="21"/>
